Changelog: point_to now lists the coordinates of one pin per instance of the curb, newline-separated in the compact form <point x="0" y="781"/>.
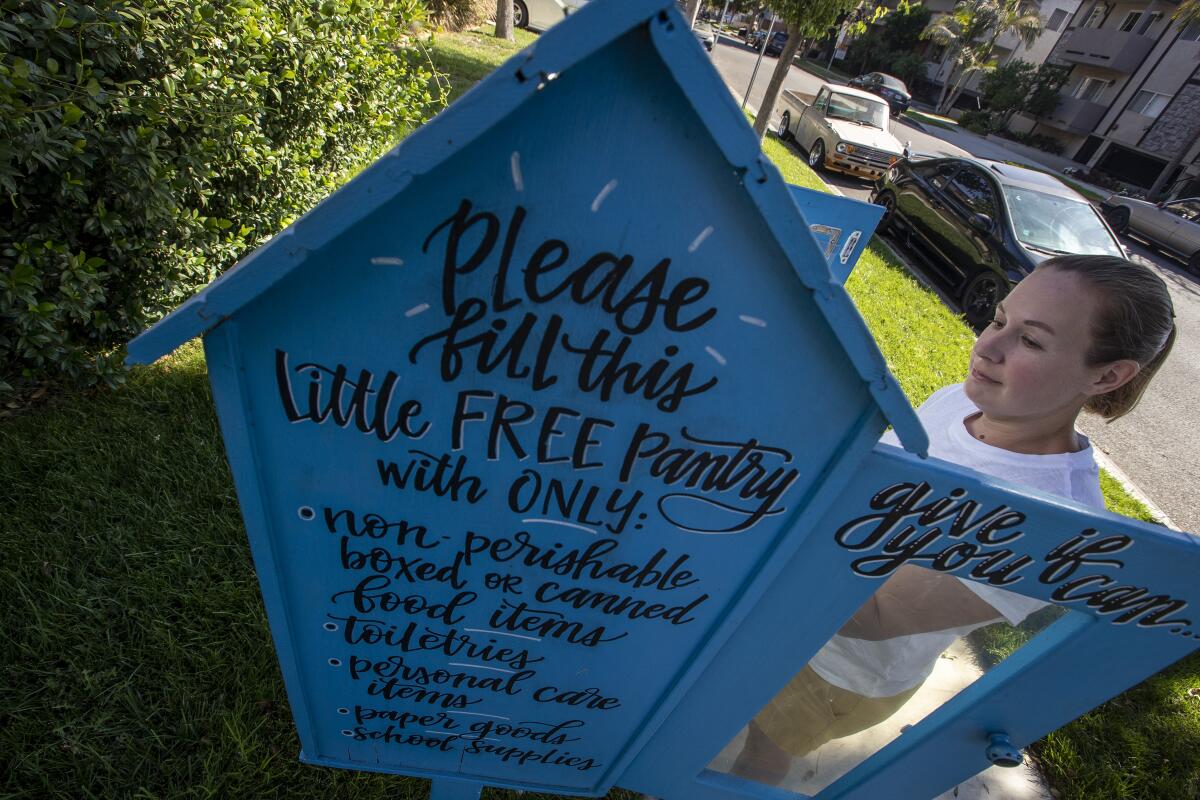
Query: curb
<point x="1160" y="516"/>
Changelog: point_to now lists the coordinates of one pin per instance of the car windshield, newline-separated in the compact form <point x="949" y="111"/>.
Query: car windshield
<point x="1055" y="224"/>
<point x="858" y="109"/>
<point x="893" y="83"/>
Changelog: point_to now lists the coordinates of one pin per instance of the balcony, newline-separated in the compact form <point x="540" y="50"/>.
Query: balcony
<point x="1075" y="115"/>
<point x="1119" y="51"/>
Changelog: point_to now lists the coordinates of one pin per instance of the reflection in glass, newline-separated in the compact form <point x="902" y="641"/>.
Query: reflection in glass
<point x="920" y="639"/>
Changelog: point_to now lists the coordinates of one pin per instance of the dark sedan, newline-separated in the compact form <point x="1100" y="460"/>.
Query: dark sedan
<point x="776" y="45"/>
<point x="983" y="225"/>
<point x="891" y="89"/>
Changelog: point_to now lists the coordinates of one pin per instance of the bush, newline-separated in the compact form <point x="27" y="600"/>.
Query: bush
<point x="145" y="146"/>
<point x="458" y="15"/>
<point x="1019" y="86"/>
<point x="980" y="122"/>
<point x="908" y="67"/>
<point x="1038" y="140"/>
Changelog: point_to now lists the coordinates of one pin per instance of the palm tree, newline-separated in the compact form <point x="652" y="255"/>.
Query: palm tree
<point x="958" y="31"/>
<point x="971" y="31"/>
<point x="1010" y="16"/>
<point x="1188" y="11"/>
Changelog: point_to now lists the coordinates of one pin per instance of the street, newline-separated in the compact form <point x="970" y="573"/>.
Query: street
<point x="1157" y="446"/>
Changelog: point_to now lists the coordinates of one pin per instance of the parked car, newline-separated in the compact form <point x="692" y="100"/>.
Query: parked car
<point x="541" y="14"/>
<point x="756" y="38"/>
<point x="844" y="129"/>
<point x="983" y="225"/>
<point x="705" y="35"/>
<point x="776" y="45"/>
<point x="1173" y="226"/>
<point x="891" y="89"/>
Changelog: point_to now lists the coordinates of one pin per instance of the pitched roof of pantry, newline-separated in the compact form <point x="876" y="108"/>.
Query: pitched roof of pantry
<point x="501" y="94"/>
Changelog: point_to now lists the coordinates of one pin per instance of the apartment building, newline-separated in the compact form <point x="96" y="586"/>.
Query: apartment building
<point x="1132" y="100"/>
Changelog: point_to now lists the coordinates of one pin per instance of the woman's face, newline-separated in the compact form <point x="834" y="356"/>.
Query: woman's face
<point x="1029" y="363"/>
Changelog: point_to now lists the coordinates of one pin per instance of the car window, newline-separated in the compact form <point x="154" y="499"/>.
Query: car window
<point x="936" y="172"/>
<point x="859" y="109"/>
<point x="893" y="83"/>
<point x="822" y="101"/>
<point x="1055" y="224"/>
<point x="1187" y="209"/>
<point x="974" y="191"/>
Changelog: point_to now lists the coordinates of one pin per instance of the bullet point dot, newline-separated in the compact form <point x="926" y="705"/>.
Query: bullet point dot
<point x="330" y="626"/>
<point x="306" y="512"/>
<point x="335" y="662"/>
<point x="347" y="733"/>
<point x="343" y="710"/>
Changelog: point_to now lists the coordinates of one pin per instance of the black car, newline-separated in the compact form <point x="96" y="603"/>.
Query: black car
<point x="891" y="89"/>
<point x="776" y="45"/>
<point x="983" y="225"/>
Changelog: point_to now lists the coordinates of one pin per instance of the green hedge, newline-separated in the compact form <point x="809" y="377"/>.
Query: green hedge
<point x="145" y="146"/>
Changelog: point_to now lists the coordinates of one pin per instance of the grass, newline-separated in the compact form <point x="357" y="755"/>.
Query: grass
<point x="931" y="119"/>
<point x="822" y="71"/>
<point x="465" y="58"/>
<point x="135" y="654"/>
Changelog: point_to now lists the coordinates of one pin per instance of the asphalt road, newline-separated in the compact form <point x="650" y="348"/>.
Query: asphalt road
<point x="1157" y="447"/>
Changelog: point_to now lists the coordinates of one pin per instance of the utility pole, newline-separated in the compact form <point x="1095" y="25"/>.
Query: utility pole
<point x="762" y="49"/>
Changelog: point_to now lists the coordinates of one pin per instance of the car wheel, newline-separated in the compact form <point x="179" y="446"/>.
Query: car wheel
<point x="1194" y="263"/>
<point x="520" y="14"/>
<point x="816" y="156"/>
<point x="785" y="122"/>
<point x="1118" y="218"/>
<point x="888" y="201"/>
<point x="980" y="297"/>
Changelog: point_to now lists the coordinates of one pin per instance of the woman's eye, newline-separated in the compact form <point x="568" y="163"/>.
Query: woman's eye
<point x="1031" y="343"/>
<point x="998" y="323"/>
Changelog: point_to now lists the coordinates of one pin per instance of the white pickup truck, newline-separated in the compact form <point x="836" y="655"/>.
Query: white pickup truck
<point x="844" y="129"/>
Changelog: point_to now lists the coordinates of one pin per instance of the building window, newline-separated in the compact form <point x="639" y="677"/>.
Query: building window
<point x="1131" y="20"/>
<point x="1096" y="18"/>
<point x="1091" y="89"/>
<point x="1190" y="32"/>
<point x="1056" y="20"/>
<point x="1148" y="22"/>
<point x="1149" y="104"/>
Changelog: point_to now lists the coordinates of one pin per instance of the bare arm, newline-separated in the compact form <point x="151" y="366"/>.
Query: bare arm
<point x="916" y="600"/>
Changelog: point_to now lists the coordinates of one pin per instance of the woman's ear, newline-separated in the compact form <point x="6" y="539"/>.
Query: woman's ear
<point x="1114" y="375"/>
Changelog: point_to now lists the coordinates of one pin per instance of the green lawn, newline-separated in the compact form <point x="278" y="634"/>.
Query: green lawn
<point x="819" y="69"/>
<point x="135" y="653"/>
<point x="931" y="119"/>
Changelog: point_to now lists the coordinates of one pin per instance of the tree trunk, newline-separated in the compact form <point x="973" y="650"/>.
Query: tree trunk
<point x="776" y="84"/>
<point x="504" y="20"/>
<point x="693" y="8"/>
<point x="959" y="85"/>
<point x="945" y="86"/>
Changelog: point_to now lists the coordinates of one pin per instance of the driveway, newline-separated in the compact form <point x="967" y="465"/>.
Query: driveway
<point x="1157" y="447"/>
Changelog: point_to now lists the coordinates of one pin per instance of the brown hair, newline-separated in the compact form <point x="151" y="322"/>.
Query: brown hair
<point x="1136" y="321"/>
